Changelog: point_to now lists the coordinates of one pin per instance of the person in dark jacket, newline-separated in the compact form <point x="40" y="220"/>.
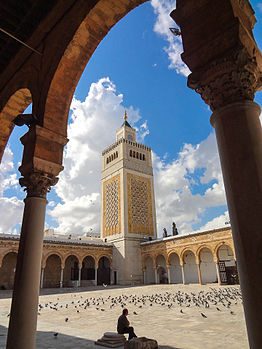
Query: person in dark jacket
<point x="123" y="325"/>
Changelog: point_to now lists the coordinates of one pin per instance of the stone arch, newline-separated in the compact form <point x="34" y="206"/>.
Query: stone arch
<point x="207" y="265"/>
<point x="162" y="276"/>
<point x="104" y="270"/>
<point x="16" y="104"/>
<point x="7" y="270"/>
<point x="149" y="270"/>
<point x="109" y="257"/>
<point x="71" y="269"/>
<point x="222" y="244"/>
<point x="190" y="266"/>
<point x="204" y="246"/>
<point x="227" y="264"/>
<point x="12" y="249"/>
<point x="52" y="270"/>
<point x="175" y="268"/>
<point x="45" y="257"/>
<point x="97" y="23"/>
<point x="88" y="270"/>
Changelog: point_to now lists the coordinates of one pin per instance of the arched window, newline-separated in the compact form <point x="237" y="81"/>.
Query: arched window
<point x="144" y="158"/>
<point x="140" y="156"/>
<point x="107" y="161"/>
<point x="137" y="155"/>
<point x="134" y="154"/>
<point x="130" y="153"/>
<point x="117" y="154"/>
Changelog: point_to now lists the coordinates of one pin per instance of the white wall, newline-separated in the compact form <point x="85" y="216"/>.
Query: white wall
<point x="150" y="273"/>
<point x="175" y="270"/>
<point x="207" y="266"/>
<point x="190" y="268"/>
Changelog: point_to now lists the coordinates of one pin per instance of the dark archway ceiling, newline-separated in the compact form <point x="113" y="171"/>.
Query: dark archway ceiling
<point x="20" y="18"/>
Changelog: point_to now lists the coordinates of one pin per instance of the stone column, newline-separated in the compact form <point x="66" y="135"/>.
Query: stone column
<point x="227" y="73"/>
<point x="183" y="273"/>
<point x="79" y="277"/>
<point x="42" y="277"/>
<point x="168" y="274"/>
<point x="61" y="277"/>
<point x="23" y="317"/>
<point x="199" y="273"/>
<point x="156" y="278"/>
<point x="218" y="272"/>
<point x="144" y="276"/>
<point x="95" y="276"/>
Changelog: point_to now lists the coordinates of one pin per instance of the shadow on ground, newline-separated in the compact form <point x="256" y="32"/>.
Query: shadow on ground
<point x="47" y="340"/>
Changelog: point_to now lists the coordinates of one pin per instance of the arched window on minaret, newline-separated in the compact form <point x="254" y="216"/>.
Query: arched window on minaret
<point x="117" y="154"/>
<point x="144" y="158"/>
<point x="130" y="153"/>
<point x="137" y="155"/>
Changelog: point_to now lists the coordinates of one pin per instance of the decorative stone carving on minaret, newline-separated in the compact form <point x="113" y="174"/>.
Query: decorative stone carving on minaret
<point x="111" y="206"/>
<point x="140" y="218"/>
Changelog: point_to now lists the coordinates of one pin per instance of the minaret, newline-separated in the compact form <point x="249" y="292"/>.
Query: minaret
<point x="128" y="203"/>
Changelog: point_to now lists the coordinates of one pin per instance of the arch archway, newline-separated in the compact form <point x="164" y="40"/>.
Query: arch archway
<point x="149" y="271"/>
<point x="190" y="267"/>
<point x="162" y="276"/>
<point x="52" y="271"/>
<point x="71" y="271"/>
<point x="207" y="266"/>
<point x="227" y="265"/>
<point x="175" y="269"/>
<point x="7" y="271"/>
<point x="103" y="271"/>
<point x="16" y="104"/>
<point x="88" y="271"/>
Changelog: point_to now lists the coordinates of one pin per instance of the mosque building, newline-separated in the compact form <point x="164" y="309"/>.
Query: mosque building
<point x="128" y="251"/>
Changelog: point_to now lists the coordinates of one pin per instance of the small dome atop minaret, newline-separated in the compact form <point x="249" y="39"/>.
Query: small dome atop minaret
<point x="125" y="123"/>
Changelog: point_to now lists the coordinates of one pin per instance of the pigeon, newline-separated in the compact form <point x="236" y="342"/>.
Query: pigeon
<point x="56" y="334"/>
<point x="66" y="319"/>
<point x="135" y="313"/>
<point x="181" y="311"/>
<point x="104" y="285"/>
<point x="203" y="315"/>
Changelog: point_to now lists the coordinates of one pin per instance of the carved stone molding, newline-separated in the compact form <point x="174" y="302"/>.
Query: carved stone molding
<point x="37" y="184"/>
<point x="233" y="78"/>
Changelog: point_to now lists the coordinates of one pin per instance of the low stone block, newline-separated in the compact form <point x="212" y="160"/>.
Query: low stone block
<point x="141" y="343"/>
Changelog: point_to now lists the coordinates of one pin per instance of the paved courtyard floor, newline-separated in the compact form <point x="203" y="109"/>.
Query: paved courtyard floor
<point x="171" y="314"/>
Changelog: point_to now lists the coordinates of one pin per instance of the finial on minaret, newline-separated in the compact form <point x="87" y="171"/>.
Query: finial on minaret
<point x="125" y="117"/>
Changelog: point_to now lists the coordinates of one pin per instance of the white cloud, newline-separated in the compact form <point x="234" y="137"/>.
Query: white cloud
<point x="217" y="222"/>
<point x="11" y="208"/>
<point x="92" y="129"/>
<point x="162" y="9"/>
<point x="259" y="6"/>
<point x="179" y="183"/>
<point x="175" y="181"/>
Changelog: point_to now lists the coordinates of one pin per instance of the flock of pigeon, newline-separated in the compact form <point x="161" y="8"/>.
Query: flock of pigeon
<point x="220" y="298"/>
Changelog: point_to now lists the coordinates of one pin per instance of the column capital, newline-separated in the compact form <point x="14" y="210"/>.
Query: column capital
<point x="37" y="184"/>
<point x="234" y="77"/>
<point x="225" y="60"/>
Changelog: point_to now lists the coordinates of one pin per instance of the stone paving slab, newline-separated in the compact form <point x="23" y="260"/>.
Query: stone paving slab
<point x="171" y="328"/>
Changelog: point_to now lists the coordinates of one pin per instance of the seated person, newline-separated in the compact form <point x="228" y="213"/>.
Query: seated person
<point x="123" y="325"/>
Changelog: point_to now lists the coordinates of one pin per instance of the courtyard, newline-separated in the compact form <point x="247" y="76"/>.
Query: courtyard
<point x="177" y="316"/>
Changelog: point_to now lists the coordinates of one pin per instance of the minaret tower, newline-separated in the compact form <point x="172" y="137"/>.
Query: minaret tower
<point x="128" y="204"/>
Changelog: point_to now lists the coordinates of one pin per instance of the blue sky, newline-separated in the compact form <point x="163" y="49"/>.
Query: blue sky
<point x="136" y="67"/>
